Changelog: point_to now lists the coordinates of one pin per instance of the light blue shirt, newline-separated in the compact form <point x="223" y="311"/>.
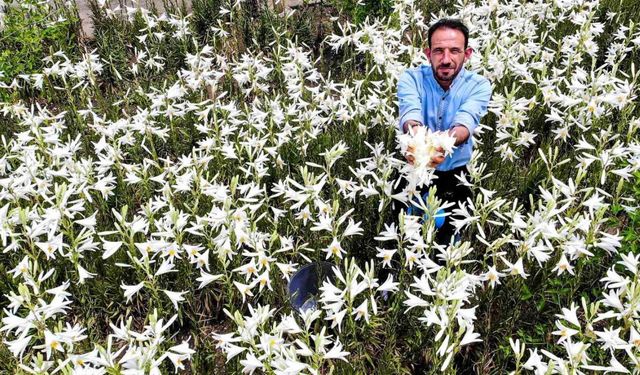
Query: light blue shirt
<point x="421" y="98"/>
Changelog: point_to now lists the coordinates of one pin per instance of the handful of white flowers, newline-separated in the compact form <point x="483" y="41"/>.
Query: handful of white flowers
<point x="423" y="148"/>
<point x="422" y="145"/>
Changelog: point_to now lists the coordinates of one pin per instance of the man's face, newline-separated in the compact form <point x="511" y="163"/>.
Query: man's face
<point x="447" y="54"/>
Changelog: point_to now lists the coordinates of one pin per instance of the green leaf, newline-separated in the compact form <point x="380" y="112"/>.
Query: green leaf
<point x="525" y="293"/>
<point x="540" y="304"/>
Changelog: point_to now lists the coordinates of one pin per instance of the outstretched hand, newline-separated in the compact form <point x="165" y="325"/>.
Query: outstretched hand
<point x="409" y="155"/>
<point x="436" y="159"/>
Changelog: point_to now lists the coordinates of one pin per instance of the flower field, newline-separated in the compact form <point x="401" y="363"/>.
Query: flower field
<point x="162" y="183"/>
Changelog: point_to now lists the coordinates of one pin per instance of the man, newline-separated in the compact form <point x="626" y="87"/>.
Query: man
<point x="445" y="97"/>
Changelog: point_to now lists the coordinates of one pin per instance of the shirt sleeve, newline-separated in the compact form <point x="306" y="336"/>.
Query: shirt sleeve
<point x="474" y="107"/>
<point x="409" y="101"/>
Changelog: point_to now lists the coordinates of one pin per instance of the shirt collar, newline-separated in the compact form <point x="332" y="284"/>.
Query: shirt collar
<point x="459" y="78"/>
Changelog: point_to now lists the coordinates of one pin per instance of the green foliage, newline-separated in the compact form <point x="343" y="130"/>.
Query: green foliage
<point x="205" y="16"/>
<point x="359" y="10"/>
<point x="31" y="32"/>
<point x="630" y="220"/>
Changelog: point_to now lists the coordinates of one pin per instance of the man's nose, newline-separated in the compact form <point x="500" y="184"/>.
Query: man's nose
<point x="446" y="57"/>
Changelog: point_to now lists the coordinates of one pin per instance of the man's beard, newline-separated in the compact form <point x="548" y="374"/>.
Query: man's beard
<point x="446" y="78"/>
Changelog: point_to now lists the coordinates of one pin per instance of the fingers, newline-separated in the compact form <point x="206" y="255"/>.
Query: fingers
<point x="436" y="160"/>
<point x="410" y="159"/>
<point x="438" y="157"/>
<point x="409" y="155"/>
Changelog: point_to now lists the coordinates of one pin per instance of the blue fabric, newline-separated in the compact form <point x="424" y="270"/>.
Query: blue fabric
<point x="422" y="99"/>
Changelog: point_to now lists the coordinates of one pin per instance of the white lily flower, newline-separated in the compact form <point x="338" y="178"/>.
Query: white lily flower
<point x="175" y="297"/>
<point x="131" y="290"/>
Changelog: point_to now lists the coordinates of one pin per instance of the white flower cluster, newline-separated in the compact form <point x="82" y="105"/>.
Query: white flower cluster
<point x="33" y="317"/>
<point x="228" y="177"/>
<point x="282" y="348"/>
<point x="610" y="323"/>
<point x="423" y="145"/>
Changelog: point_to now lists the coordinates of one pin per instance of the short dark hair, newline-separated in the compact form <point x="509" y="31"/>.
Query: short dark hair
<point x="450" y="23"/>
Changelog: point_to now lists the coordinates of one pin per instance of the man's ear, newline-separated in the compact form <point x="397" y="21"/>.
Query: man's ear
<point x="467" y="53"/>
<point x="427" y="52"/>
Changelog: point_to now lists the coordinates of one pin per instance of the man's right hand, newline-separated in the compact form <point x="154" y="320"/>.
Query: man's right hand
<point x="409" y="155"/>
<point x="410" y="126"/>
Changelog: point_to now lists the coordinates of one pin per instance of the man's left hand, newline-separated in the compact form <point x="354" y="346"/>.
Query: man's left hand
<point x="438" y="157"/>
<point x="460" y="133"/>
